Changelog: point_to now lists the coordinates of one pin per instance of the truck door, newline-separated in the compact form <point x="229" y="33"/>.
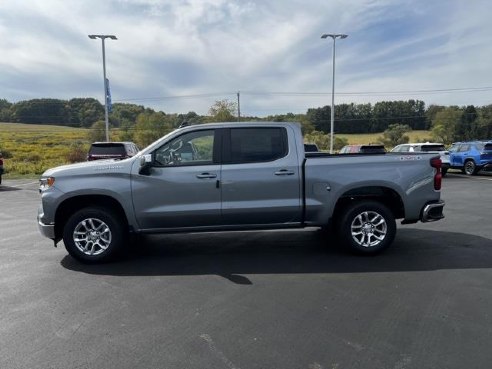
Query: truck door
<point x="182" y="187"/>
<point x="261" y="177"/>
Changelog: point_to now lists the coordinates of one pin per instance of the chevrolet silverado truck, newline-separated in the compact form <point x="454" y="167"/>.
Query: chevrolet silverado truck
<point x="236" y="176"/>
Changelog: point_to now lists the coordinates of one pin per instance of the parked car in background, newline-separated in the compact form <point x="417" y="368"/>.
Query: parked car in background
<point x="363" y="149"/>
<point x="310" y="147"/>
<point x="112" y="150"/>
<point x="1" y="167"/>
<point x="427" y="147"/>
<point x="471" y="157"/>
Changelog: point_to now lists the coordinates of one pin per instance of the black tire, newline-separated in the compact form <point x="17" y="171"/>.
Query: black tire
<point x="444" y="172"/>
<point x="93" y="235"/>
<point x="367" y="227"/>
<point x="470" y="168"/>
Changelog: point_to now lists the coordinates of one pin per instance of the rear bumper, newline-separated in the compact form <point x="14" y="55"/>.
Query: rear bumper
<point x="432" y="212"/>
<point x="487" y="166"/>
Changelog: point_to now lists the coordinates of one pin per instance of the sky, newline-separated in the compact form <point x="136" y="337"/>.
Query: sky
<point x="183" y="55"/>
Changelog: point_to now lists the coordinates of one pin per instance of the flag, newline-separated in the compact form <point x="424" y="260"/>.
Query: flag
<point x="108" y="96"/>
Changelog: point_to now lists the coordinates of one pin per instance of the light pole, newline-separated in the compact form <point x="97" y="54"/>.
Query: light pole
<point x="334" y="37"/>
<point x="106" y="118"/>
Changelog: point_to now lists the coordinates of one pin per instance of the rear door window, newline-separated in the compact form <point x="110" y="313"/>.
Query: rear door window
<point x="256" y="144"/>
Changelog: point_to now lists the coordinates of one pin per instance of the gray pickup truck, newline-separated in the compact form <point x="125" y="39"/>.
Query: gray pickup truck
<point x="236" y="176"/>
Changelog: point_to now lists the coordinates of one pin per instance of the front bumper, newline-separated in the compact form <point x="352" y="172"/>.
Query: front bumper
<point x="432" y="212"/>
<point x="47" y="230"/>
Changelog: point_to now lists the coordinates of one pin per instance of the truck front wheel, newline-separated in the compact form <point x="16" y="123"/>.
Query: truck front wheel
<point x="367" y="227"/>
<point x="93" y="235"/>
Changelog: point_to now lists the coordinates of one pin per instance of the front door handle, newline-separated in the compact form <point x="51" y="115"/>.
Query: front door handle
<point x="284" y="172"/>
<point x="206" y="175"/>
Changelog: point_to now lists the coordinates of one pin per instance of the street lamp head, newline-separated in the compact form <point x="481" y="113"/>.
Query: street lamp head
<point x="334" y="35"/>
<point x="102" y="37"/>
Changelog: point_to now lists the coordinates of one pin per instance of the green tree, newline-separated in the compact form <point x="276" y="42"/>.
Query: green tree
<point x="125" y="113"/>
<point x="42" y="111"/>
<point x="484" y="123"/>
<point x="97" y="132"/>
<point x="5" y="112"/>
<point x="223" y="111"/>
<point x="467" y="128"/>
<point x="445" y="123"/>
<point x="188" y="118"/>
<point x="320" y="118"/>
<point x="127" y="128"/>
<point x="322" y="140"/>
<point x="430" y="114"/>
<point x="395" y="135"/>
<point x="84" y="112"/>
<point x="150" y="127"/>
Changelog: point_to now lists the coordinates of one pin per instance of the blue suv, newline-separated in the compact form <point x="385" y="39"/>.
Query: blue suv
<point x="471" y="157"/>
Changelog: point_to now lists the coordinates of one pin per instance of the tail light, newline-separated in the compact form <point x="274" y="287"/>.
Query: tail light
<point x="437" y="163"/>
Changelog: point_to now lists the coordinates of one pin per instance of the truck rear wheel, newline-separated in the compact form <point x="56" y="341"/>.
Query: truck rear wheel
<point x="93" y="235"/>
<point x="367" y="227"/>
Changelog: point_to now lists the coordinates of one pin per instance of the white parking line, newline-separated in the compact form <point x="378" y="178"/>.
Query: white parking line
<point x="470" y="177"/>
<point x="25" y="184"/>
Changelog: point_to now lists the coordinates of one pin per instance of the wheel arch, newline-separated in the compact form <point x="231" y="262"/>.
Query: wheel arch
<point x="385" y="195"/>
<point x="73" y="204"/>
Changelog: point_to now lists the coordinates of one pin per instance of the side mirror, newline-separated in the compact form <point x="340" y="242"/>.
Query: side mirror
<point x="145" y="164"/>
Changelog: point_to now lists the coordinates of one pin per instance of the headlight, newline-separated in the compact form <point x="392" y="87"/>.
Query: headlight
<point x="45" y="183"/>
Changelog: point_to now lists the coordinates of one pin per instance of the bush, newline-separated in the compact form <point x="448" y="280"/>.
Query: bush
<point x="76" y="154"/>
<point x="6" y="154"/>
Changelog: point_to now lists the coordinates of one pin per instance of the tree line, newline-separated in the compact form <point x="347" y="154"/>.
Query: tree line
<point x="143" y="125"/>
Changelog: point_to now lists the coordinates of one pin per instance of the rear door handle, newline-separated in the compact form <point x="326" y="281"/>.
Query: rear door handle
<point x="284" y="172"/>
<point x="206" y="175"/>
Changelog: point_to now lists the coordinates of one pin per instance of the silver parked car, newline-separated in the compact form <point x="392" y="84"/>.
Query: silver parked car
<point x="427" y="147"/>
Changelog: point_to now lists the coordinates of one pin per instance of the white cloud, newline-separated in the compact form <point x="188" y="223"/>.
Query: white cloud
<point x="189" y="47"/>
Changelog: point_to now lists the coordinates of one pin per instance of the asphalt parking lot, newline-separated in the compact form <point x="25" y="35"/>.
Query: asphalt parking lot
<point x="283" y="299"/>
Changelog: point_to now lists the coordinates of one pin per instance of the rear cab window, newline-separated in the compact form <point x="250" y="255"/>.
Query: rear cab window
<point x="254" y="144"/>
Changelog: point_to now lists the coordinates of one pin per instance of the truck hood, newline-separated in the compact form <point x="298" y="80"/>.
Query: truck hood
<point x="91" y="167"/>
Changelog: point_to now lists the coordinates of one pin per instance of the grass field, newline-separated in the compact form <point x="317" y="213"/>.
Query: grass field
<point x="30" y="149"/>
<point x="367" y="138"/>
